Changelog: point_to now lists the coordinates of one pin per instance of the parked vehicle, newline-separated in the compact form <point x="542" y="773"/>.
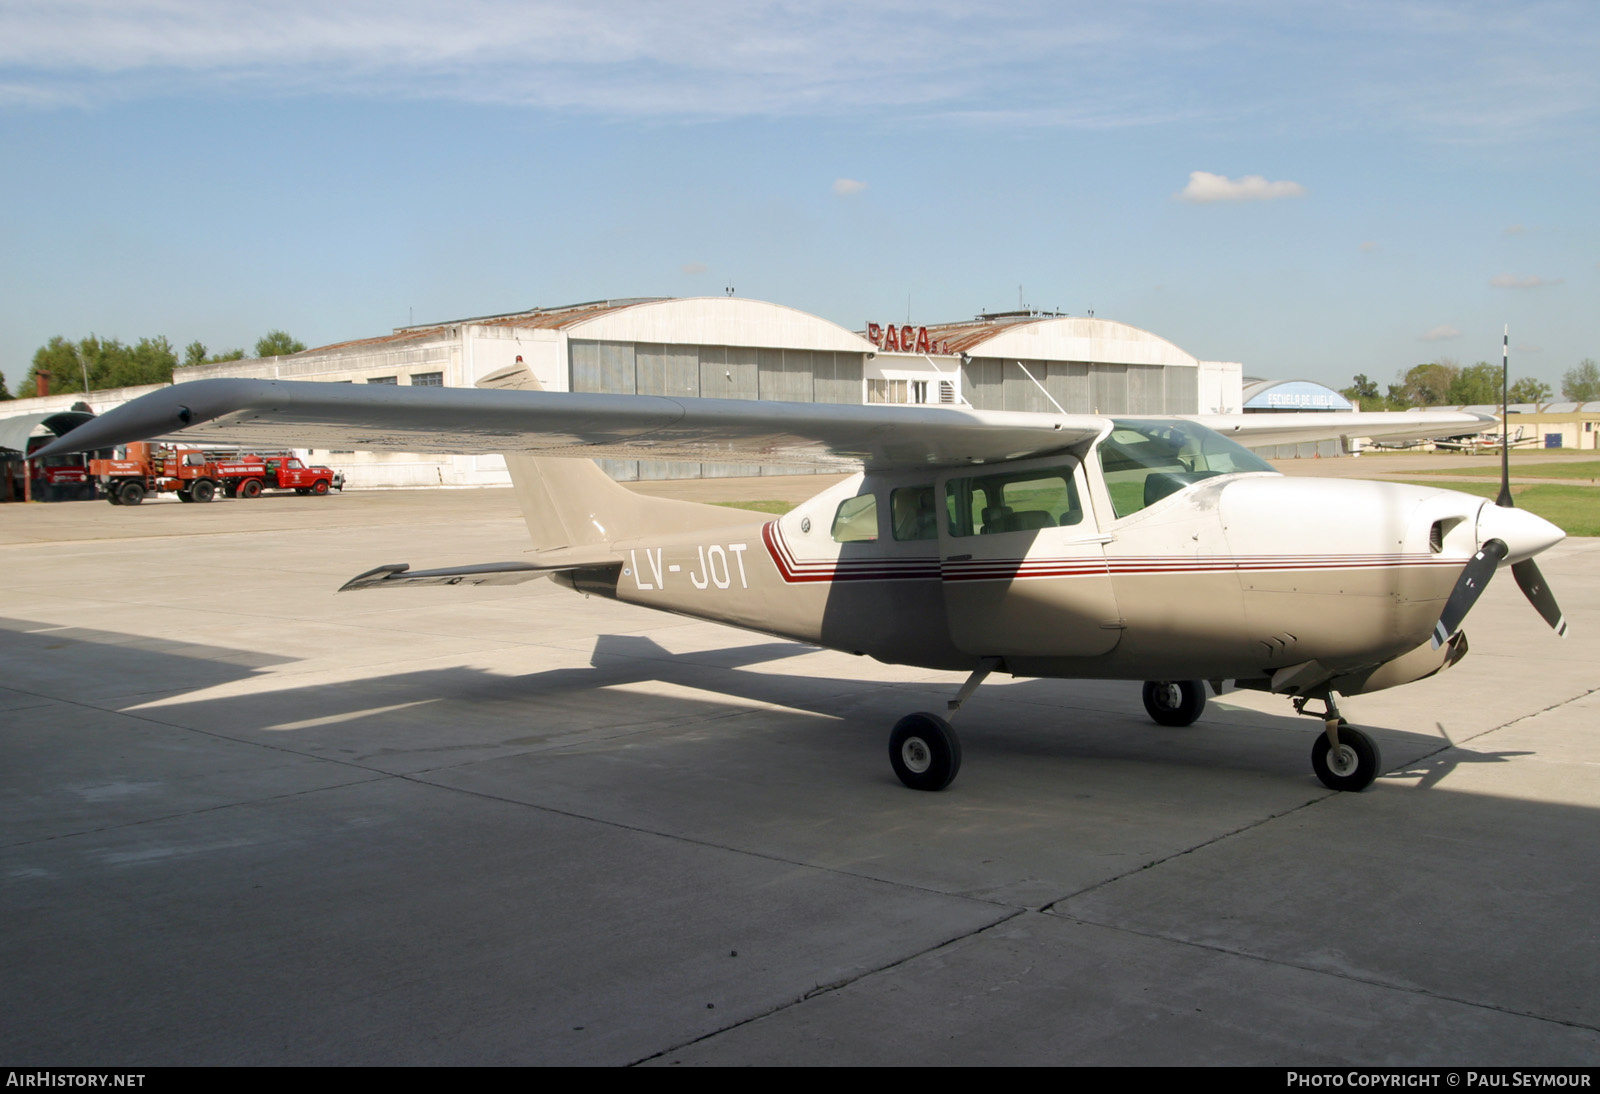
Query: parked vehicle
<point x="196" y="475"/>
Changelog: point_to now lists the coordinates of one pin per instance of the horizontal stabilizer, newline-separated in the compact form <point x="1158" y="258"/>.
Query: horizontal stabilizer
<point x="483" y="573"/>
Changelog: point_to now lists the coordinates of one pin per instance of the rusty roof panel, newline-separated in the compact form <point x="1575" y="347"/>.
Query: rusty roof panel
<point x="535" y="318"/>
<point x="962" y="337"/>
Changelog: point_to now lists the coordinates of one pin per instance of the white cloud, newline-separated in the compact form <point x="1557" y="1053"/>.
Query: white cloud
<point x="1204" y="187"/>
<point x="1422" y="67"/>
<point x="1442" y="333"/>
<point x="693" y="267"/>
<point x="848" y="186"/>
<point x="1368" y="247"/>
<point x="660" y="58"/>
<point x="1532" y="281"/>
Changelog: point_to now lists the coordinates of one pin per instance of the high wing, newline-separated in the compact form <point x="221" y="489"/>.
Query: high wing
<point x="467" y="420"/>
<point x="302" y="414"/>
<point x="1260" y="430"/>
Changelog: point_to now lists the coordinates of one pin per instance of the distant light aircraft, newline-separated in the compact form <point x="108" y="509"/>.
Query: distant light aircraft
<point x="1046" y="545"/>
<point x="1487" y="442"/>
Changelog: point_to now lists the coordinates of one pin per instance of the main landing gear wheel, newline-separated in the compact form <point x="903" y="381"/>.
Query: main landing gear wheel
<point x="1175" y="702"/>
<point x="1352" y="765"/>
<point x="924" y="751"/>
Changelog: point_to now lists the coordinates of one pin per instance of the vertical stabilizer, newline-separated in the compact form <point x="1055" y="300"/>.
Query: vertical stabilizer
<point x="572" y="505"/>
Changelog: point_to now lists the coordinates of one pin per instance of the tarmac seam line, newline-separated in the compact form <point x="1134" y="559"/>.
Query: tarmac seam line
<point x="829" y="989"/>
<point x="1353" y="978"/>
<point x="1447" y="746"/>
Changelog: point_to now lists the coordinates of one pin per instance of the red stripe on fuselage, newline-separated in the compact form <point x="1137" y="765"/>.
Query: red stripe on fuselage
<point x="793" y="571"/>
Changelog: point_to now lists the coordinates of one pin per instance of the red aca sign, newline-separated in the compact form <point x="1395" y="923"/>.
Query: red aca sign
<point x="907" y="339"/>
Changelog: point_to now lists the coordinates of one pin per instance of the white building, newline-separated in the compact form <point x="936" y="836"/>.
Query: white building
<point x="725" y="347"/>
<point x="1043" y="362"/>
<point x="720" y="347"/>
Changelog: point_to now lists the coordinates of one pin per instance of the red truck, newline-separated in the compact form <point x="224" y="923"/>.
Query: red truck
<point x="59" y="478"/>
<point x="196" y="474"/>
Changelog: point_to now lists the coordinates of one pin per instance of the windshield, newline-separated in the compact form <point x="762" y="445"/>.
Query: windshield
<point x="1145" y="460"/>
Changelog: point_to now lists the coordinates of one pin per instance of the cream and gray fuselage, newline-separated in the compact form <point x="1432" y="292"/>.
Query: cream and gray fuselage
<point x="1211" y="582"/>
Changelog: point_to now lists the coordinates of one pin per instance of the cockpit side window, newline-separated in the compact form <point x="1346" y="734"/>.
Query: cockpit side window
<point x="1144" y="461"/>
<point x="856" y="520"/>
<point x="1018" y="501"/>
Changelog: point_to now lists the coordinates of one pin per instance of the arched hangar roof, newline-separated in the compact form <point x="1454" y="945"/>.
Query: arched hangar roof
<point x="1060" y="338"/>
<point x="1292" y="395"/>
<point x="15" y="431"/>
<point x="704" y="320"/>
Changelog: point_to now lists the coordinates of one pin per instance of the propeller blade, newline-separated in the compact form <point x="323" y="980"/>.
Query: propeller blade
<point x="1531" y="582"/>
<point x="1474" y="579"/>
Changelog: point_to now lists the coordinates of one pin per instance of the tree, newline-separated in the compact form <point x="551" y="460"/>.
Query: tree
<point x="1582" y="384"/>
<point x="1476" y="384"/>
<point x="276" y="343"/>
<point x="1529" y="390"/>
<point x="195" y="353"/>
<point x="107" y="363"/>
<point x="5" y="392"/>
<point x="1426" y="385"/>
<point x="1364" y="393"/>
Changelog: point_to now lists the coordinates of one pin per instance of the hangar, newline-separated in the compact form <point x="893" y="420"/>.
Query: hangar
<point x="722" y="347"/>
<point x="733" y="348"/>
<point x="1045" y="361"/>
<point x="1548" y="425"/>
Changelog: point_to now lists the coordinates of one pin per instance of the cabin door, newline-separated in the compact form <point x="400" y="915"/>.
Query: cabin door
<point x="1023" y="564"/>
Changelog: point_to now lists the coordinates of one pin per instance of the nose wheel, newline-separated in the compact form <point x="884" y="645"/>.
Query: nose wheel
<point x="1343" y="757"/>
<point x="1351" y="764"/>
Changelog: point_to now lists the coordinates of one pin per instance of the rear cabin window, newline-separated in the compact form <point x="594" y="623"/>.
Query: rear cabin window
<point x="856" y="520"/>
<point x="1145" y="461"/>
<point x="1021" y="501"/>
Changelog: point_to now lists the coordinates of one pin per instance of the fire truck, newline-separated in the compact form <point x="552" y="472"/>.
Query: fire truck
<point x="59" y="478"/>
<point x="197" y="474"/>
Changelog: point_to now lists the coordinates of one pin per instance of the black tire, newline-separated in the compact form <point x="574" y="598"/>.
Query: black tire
<point x="1356" y="765"/>
<point x="230" y="489"/>
<point x="203" y="490"/>
<point x="250" y="488"/>
<point x="320" y="487"/>
<point x="924" y="751"/>
<point x="114" y="496"/>
<point x="132" y="493"/>
<point x="1175" y="702"/>
<point x="185" y="496"/>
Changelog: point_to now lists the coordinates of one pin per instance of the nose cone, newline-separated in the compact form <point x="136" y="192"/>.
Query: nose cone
<point x="1523" y="533"/>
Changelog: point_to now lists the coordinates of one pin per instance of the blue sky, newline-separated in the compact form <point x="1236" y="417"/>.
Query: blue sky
<point x="1314" y="190"/>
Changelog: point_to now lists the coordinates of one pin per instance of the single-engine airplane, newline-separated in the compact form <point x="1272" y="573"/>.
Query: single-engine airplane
<point x="1047" y="545"/>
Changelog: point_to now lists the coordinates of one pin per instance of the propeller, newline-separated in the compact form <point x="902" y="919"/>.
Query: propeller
<point x="1469" y="586"/>
<point x="1527" y="531"/>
